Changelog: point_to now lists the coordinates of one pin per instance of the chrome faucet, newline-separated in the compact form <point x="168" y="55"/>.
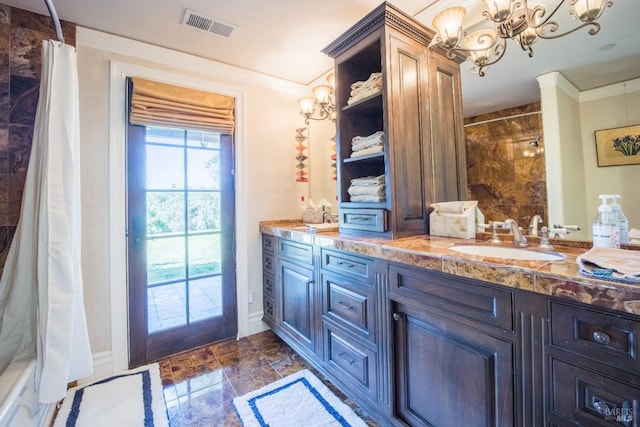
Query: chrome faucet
<point x="518" y="238"/>
<point x="533" y="225"/>
<point x="327" y="217"/>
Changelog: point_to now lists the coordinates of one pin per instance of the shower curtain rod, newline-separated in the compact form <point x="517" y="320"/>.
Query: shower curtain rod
<point x="56" y="20"/>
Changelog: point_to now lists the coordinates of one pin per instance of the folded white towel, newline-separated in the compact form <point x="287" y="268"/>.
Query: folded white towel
<point x="360" y="142"/>
<point x="364" y="93"/>
<point x="367" y="151"/>
<point x="368" y="180"/>
<point x="634" y="233"/>
<point x="611" y="264"/>
<point x="367" y="190"/>
<point x="367" y="198"/>
<point x="374" y="80"/>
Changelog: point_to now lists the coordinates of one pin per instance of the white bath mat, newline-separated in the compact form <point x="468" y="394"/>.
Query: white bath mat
<point x="132" y="398"/>
<point x="298" y="400"/>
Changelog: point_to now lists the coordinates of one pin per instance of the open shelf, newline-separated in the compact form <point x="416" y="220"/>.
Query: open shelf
<point x="365" y="158"/>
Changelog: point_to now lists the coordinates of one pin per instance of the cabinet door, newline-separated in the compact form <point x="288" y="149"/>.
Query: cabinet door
<point x="447" y="374"/>
<point x="448" y="157"/>
<point x="297" y="286"/>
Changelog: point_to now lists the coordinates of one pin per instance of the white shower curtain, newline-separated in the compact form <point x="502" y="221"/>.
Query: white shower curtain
<point x="41" y="304"/>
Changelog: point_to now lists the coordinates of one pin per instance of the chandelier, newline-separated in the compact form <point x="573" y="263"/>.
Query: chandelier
<point x="323" y="102"/>
<point x="517" y="20"/>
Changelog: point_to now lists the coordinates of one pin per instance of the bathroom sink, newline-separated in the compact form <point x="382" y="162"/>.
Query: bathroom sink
<point x="508" y="252"/>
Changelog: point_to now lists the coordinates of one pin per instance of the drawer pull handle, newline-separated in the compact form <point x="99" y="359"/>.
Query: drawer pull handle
<point x="601" y="337"/>
<point x="267" y="243"/>
<point x="347" y="359"/>
<point x="345" y="305"/>
<point x="345" y="264"/>
<point x="602" y="407"/>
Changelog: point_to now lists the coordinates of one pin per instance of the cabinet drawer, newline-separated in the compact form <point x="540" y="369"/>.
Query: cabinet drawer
<point x="363" y="219"/>
<point x="268" y="285"/>
<point x="349" y="265"/>
<point x="448" y="294"/>
<point x="268" y="264"/>
<point x="269" y="307"/>
<point x="591" y="399"/>
<point x="350" y="361"/>
<point x="268" y="242"/>
<point x="296" y="251"/>
<point x="595" y="334"/>
<point x="350" y="304"/>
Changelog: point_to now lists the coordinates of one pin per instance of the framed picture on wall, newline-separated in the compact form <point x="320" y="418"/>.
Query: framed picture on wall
<point x="618" y="146"/>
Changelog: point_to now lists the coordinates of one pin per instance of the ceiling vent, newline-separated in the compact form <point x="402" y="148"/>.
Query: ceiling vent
<point x="202" y="22"/>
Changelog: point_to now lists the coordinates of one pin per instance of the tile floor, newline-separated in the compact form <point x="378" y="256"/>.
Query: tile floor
<point x="200" y="384"/>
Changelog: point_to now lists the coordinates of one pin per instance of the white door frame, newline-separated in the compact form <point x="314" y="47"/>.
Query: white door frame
<point x="119" y="71"/>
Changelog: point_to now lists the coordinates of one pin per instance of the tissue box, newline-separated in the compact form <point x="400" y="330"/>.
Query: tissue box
<point x="455" y="219"/>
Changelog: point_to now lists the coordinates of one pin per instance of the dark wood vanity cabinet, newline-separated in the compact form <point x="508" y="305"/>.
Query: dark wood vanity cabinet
<point x="350" y="322"/>
<point x="454" y="348"/>
<point x="291" y="292"/>
<point x="419" y="109"/>
<point x="594" y="363"/>
<point x="420" y="347"/>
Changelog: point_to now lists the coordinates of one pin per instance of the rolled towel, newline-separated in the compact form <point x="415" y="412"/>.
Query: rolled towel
<point x="611" y="264"/>
<point x="368" y="190"/>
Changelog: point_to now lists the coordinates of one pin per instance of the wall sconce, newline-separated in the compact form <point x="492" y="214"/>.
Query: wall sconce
<point x="512" y="19"/>
<point x="323" y="102"/>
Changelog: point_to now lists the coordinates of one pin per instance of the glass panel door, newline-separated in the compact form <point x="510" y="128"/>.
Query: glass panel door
<point x="180" y="185"/>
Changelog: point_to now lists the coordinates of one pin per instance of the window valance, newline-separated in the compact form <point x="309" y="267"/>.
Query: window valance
<point x="160" y="104"/>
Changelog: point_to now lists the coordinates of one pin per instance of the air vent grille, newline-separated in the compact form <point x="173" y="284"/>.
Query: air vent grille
<point x="193" y="19"/>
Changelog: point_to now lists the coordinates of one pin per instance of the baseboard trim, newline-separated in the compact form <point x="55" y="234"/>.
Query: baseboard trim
<point x="102" y="367"/>
<point x="256" y="325"/>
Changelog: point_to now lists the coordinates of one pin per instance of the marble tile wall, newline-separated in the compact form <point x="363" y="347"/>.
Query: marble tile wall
<point x="506" y="174"/>
<point x="21" y="35"/>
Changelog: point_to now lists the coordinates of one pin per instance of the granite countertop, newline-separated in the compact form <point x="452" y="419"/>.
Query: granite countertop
<point x="553" y="278"/>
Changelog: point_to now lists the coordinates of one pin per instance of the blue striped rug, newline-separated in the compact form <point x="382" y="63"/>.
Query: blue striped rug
<point x="132" y="398"/>
<point x="298" y="400"/>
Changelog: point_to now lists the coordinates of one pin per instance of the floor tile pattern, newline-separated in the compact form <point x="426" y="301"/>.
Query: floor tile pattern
<point x="199" y="385"/>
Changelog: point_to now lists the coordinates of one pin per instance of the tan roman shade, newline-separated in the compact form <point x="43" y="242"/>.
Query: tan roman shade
<point x="159" y="104"/>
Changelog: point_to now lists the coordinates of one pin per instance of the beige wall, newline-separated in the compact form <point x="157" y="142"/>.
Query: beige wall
<point x="265" y="158"/>
<point x="605" y="108"/>
<point x="574" y="179"/>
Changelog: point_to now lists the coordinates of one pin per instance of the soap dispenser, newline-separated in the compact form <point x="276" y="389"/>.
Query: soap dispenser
<point x="623" y="223"/>
<point x="606" y="233"/>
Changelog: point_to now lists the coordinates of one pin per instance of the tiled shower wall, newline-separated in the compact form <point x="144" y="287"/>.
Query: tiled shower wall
<point x="21" y="35"/>
<point x="505" y="168"/>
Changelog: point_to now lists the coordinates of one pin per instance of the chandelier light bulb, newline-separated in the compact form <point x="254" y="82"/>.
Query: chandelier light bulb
<point x="479" y="44"/>
<point x="307" y="105"/>
<point x="322" y="94"/>
<point x="588" y="10"/>
<point x="500" y="10"/>
<point x="331" y="78"/>
<point x="448" y="23"/>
